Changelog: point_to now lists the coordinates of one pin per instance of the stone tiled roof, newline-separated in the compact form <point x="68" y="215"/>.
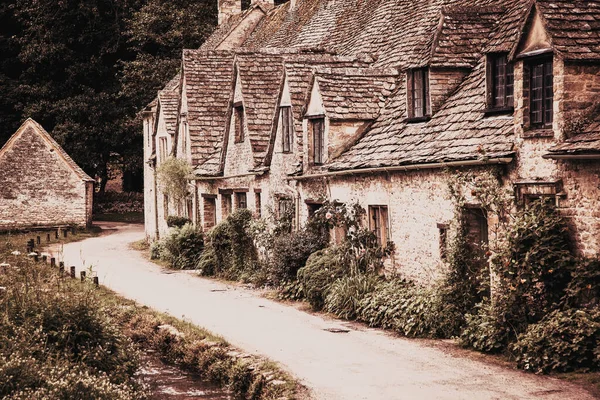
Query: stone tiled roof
<point x="209" y="80"/>
<point x="261" y="78"/>
<point x="462" y="33"/>
<point x="31" y="124"/>
<point x="169" y="104"/>
<point x="510" y="25"/>
<point x="399" y="33"/>
<point x="574" y="26"/>
<point x="458" y="131"/>
<point x="587" y="142"/>
<point x="355" y="93"/>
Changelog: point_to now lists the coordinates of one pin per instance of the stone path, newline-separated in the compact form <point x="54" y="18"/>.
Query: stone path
<point x="360" y="364"/>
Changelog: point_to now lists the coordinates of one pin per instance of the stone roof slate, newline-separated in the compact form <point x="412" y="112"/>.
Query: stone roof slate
<point x="458" y="131"/>
<point x="261" y="77"/>
<point x="462" y="34"/>
<point x="169" y="105"/>
<point x="209" y="80"/>
<point x="587" y="142"/>
<point x="355" y="93"/>
<point x="574" y="26"/>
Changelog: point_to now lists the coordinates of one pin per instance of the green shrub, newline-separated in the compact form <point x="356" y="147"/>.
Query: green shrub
<point x="321" y="270"/>
<point x="584" y="288"/>
<point x="156" y="250"/>
<point x="208" y="261"/>
<point x="408" y="309"/>
<point x="183" y="247"/>
<point x="291" y="290"/>
<point x="562" y="341"/>
<point x="345" y="294"/>
<point x="535" y="269"/>
<point x="483" y="330"/>
<point x="233" y="245"/>
<point x="290" y="252"/>
<point x="175" y="221"/>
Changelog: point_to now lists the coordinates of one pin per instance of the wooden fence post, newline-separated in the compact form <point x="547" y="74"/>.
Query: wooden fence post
<point x="72" y="272"/>
<point x="53" y="262"/>
<point x="96" y="282"/>
<point x="82" y="273"/>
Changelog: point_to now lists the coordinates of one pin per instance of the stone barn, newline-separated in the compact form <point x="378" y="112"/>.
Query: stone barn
<point x="40" y="185"/>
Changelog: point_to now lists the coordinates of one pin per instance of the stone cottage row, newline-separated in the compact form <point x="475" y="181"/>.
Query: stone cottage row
<point x="287" y="105"/>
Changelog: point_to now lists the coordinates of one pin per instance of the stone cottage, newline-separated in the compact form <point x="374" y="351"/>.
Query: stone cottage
<point x="292" y="102"/>
<point x="40" y="185"/>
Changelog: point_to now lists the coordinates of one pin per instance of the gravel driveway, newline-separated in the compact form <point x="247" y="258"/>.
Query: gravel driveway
<point x="359" y="364"/>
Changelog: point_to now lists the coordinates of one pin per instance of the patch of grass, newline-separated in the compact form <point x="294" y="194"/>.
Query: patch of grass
<point x="588" y="380"/>
<point x="129" y="217"/>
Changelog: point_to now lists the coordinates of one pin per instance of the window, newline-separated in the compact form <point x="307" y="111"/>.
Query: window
<point x="477" y="229"/>
<point x="285" y="208"/>
<point x="245" y="4"/>
<point x="239" y="123"/>
<point x="162" y="148"/>
<point x="500" y="82"/>
<point x="443" y="228"/>
<point x="287" y="128"/>
<point x="418" y="94"/>
<point x="226" y="205"/>
<point x="541" y="102"/>
<point x="166" y="206"/>
<point x="318" y="127"/>
<point x="258" y="204"/>
<point x="190" y="209"/>
<point x="210" y="211"/>
<point x="241" y="200"/>
<point x="378" y="223"/>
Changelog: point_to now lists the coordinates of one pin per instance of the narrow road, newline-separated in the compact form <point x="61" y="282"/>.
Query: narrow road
<point x="360" y="364"/>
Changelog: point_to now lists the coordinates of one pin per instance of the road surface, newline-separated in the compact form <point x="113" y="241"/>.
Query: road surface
<point x="360" y="364"/>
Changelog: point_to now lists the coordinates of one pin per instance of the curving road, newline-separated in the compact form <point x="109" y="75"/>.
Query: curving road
<point x="359" y="364"/>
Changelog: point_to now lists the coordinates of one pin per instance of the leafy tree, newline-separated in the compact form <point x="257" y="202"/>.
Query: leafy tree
<point x="85" y="69"/>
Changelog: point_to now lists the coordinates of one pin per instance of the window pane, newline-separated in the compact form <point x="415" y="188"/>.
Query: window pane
<point x="239" y="124"/>
<point x="510" y="84"/>
<point x="537" y="80"/>
<point x="286" y="128"/>
<point x="418" y="93"/>
<point x="499" y="81"/>
<point x="548" y="93"/>
<point x="318" y="140"/>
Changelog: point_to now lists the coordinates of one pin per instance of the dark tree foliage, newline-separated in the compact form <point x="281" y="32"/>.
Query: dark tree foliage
<point x="85" y="68"/>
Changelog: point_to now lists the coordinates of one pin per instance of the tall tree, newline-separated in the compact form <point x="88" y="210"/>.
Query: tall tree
<point x="85" y="68"/>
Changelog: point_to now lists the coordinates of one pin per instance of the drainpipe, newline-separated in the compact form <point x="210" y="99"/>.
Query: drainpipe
<point x="155" y="208"/>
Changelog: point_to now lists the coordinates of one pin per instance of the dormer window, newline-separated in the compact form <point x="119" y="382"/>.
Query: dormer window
<point x="500" y="83"/>
<point x="419" y="108"/>
<point x="541" y="101"/>
<point x="286" y="128"/>
<point x="318" y="139"/>
<point x="238" y="111"/>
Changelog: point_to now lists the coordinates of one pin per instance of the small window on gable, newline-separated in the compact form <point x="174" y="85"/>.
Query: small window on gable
<point x="500" y="82"/>
<point x="287" y="128"/>
<point x="419" y="108"/>
<point x="239" y="123"/>
<point x="541" y="93"/>
<point x="318" y="140"/>
<point x="162" y="148"/>
<point x="378" y="223"/>
<point x="245" y="4"/>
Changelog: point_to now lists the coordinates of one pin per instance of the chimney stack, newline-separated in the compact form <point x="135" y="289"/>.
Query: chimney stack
<point x="227" y="8"/>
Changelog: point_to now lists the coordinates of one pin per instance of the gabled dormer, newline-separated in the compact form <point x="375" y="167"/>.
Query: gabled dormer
<point x="238" y="157"/>
<point x="316" y="128"/>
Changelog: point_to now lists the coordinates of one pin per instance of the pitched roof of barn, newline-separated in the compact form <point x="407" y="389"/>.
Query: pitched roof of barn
<point x="31" y="125"/>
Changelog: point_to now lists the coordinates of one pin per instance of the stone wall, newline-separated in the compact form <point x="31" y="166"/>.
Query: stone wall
<point x="37" y="188"/>
<point x="581" y="89"/>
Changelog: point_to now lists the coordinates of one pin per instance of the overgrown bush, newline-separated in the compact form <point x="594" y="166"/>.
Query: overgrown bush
<point x="183" y="247"/>
<point x="345" y="294"/>
<point x="584" y="288"/>
<point x="156" y="250"/>
<point x="562" y="341"/>
<point x="173" y="176"/>
<point x="484" y="330"/>
<point x="176" y="221"/>
<point x="321" y="270"/>
<point x="235" y="254"/>
<point x="290" y="252"/>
